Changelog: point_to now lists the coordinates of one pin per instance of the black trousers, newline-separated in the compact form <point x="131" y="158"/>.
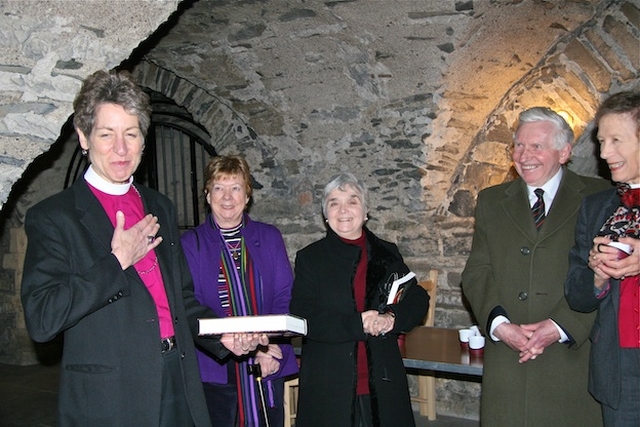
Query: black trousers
<point x="174" y="408"/>
<point x="222" y="402"/>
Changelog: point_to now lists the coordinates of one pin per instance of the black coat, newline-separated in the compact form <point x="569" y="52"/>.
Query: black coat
<point x="605" y="372"/>
<point x="112" y="362"/>
<point x="323" y="294"/>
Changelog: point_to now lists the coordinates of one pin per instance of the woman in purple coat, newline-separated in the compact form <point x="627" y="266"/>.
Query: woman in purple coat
<point x="240" y="267"/>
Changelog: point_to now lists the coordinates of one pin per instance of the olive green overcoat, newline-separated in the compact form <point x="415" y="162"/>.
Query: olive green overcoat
<point x="521" y="269"/>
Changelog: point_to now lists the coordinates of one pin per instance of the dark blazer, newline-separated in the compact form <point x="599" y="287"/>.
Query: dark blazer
<point x="604" y="365"/>
<point x="521" y="269"/>
<point x="323" y="294"/>
<point x="112" y="362"/>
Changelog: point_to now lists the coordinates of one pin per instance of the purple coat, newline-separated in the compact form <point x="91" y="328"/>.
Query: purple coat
<point x="202" y="248"/>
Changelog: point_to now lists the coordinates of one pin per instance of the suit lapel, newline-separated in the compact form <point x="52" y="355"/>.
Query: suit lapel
<point x="516" y="207"/>
<point x="565" y="205"/>
<point x="91" y="214"/>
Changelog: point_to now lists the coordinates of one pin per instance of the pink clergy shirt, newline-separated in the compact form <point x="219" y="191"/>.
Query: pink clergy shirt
<point x="125" y="198"/>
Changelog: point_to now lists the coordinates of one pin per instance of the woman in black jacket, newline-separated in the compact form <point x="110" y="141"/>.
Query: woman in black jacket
<point x="351" y="369"/>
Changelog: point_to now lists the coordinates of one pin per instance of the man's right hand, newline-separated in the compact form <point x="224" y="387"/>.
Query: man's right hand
<point x="512" y="335"/>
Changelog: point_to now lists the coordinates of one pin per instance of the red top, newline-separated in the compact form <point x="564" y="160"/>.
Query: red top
<point x="148" y="267"/>
<point x="629" y="314"/>
<point x="359" y="291"/>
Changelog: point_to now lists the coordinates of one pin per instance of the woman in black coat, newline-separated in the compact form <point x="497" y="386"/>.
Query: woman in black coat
<point x="604" y="265"/>
<point x="351" y="371"/>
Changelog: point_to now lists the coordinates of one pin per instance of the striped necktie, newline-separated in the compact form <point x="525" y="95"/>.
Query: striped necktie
<point x="538" y="208"/>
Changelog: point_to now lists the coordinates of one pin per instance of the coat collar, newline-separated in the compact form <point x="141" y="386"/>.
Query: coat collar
<point x="565" y="205"/>
<point x="92" y="215"/>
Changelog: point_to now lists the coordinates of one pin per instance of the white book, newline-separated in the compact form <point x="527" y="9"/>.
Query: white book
<point x="398" y="288"/>
<point x="271" y="324"/>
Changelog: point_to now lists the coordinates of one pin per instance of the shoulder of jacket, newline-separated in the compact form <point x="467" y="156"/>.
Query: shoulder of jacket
<point x="61" y="201"/>
<point x="500" y="191"/>
<point x="601" y="196"/>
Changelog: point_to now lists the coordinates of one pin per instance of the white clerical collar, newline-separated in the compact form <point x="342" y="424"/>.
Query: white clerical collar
<point x="92" y="177"/>
<point x="634" y="185"/>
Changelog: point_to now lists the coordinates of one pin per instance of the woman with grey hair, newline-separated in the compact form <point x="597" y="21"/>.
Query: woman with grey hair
<point x="351" y="371"/>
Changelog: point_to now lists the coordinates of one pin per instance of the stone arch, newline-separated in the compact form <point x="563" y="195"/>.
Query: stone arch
<point x="598" y="58"/>
<point x="231" y="132"/>
<point x="226" y="127"/>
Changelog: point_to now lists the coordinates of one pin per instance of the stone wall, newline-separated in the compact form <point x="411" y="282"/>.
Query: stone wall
<point x="417" y="98"/>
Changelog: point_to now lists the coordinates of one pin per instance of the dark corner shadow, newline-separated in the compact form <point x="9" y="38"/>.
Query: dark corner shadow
<point x="602" y="168"/>
<point x="49" y="353"/>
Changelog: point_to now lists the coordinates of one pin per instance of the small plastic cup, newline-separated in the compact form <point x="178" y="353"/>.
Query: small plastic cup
<point x="624" y="250"/>
<point x="476" y="344"/>
<point x="463" y="335"/>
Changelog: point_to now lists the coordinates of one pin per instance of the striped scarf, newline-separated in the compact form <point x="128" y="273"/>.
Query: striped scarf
<point x="241" y="295"/>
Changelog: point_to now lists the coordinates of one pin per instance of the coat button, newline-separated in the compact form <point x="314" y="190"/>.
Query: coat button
<point x="522" y="296"/>
<point x="525" y="250"/>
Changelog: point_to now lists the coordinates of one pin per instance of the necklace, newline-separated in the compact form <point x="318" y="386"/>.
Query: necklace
<point x="150" y="269"/>
<point x="235" y="249"/>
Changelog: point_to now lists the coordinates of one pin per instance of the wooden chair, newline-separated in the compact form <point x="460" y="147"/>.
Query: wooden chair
<point x="427" y="383"/>
<point x="290" y="401"/>
<point x="291" y="391"/>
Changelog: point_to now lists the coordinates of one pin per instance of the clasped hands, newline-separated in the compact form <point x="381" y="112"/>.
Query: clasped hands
<point x="267" y="355"/>
<point x="604" y="262"/>
<point x="528" y="340"/>
<point x="375" y="323"/>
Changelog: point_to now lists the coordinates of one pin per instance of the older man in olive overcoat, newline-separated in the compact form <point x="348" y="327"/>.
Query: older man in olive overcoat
<point x="536" y="360"/>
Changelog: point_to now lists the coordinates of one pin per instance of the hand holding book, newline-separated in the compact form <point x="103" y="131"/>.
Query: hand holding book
<point x="398" y="287"/>
<point x="270" y="324"/>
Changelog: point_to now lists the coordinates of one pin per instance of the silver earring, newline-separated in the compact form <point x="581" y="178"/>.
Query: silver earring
<point x="84" y="152"/>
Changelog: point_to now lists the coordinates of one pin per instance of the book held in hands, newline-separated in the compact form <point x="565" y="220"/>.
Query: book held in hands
<point x="398" y="287"/>
<point x="271" y="324"/>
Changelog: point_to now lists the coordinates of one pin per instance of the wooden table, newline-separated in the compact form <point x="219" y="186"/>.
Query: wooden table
<point x="438" y="349"/>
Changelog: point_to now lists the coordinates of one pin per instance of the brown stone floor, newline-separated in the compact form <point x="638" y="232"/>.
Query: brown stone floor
<point x="28" y="398"/>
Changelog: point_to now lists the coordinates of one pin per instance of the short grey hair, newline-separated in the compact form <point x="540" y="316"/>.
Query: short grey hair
<point x="341" y="182"/>
<point x="563" y="135"/>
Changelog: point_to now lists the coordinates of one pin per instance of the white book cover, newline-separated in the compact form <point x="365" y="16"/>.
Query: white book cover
<point x="272" y="324"/>
<point x="397" y="288"/>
